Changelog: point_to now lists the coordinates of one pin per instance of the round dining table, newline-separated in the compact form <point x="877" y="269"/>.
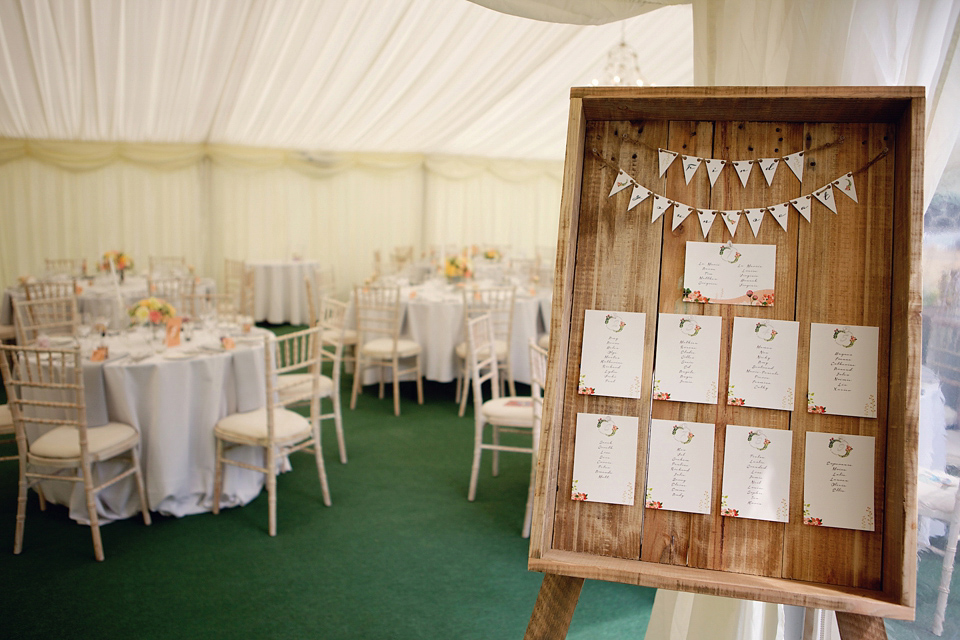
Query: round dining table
<point x="432" y="315"/>
<point x="173" y="397"/>
<point x="279" y="290"/>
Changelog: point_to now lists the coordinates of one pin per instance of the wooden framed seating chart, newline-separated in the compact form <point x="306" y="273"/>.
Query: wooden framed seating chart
<point x="731" y="404"/>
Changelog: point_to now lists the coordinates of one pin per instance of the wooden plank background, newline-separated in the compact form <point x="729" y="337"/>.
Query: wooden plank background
<point x="837" y="269"/>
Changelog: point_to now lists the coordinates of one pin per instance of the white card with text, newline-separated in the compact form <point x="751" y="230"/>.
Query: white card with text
<point x="611" y="363"/>
<point x="763" y="363"/>
<point x="838" y="481"/>
<point x="744" y="274"/>
<point x="843" y="370"/>
<point x="605" y="458"/>
<point x="756" y="473"/>
<point x="679" y="470"/>
<point x="688" y="358"/>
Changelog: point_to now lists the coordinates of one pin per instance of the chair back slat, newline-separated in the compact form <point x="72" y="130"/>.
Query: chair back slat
<point x="538" y="381"/>
<point x="497" y="302"/>
<point x="49" y="316"/>
<point x="172" y="289"/>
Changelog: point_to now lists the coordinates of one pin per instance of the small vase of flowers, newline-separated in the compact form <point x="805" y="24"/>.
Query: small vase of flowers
<point x="121" y="262"/>
<point x="152" y="311"/>
<point x="456" y="269"/>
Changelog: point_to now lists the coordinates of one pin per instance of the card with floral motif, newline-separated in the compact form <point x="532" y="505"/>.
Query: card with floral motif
<point x="688" y="358"/>
<point x="605" y="458"/>
<point x="843" y="370"/>
<point x="838" y="481"/>
<point x="715" y="273"/>
<point x="611" y="363"/>
<point x="756" y="473"/>
<point x="763" y="363"/>
<point x="677" y="476"/>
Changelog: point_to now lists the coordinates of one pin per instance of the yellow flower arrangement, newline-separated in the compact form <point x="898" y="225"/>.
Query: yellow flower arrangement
<point x="457" y="267"/>
<point x="152" y="310"/>
<point x="121" y="261"/>
<point x="492" y="254"/>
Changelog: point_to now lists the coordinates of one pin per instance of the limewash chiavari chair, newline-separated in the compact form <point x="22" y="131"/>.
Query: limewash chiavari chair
<point x="278" y="430"/>
<point x="379" y="343"/>
<point x="46" y="391"/>
<point x="49" y="316"/>
<point x="247" y="298"/>
<point x="74" y="267"/>
<point x="233" y="277"/>
<point x="538" y="382"/>
<point x="331" y="314"/>
<point x="172" y="289"/>
<point x="503" y="414"/>
<point x="498" y="303"/>
<point x="221" y="306"/>
<point x="168" y="265"/>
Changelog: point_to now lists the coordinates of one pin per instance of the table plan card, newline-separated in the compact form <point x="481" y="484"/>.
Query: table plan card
<point x="838" y="481"/>
<point x="843" y="370"/>
<point x="756" y="473"/>
<point x="605" y="458"/>
<point x="611" y="363"/>
<point x="763" y="363"/>
<point x="715" y="273"/>
<point x="679" y="469"/>
<point x="688" y="358"/>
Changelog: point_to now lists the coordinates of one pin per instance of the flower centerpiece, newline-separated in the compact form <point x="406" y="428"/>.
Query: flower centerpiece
<point x="121" y="262"/>
<point x="153" y="311"/>
<point x="492" y="255"/>
<point x="456" y="268"/>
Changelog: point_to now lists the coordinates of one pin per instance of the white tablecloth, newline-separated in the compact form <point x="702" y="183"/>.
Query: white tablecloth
<point x="174" y="404"/>
<point x="433" y="316"/>
<point x="279" y="291"/>
<point x="99" y="298"/>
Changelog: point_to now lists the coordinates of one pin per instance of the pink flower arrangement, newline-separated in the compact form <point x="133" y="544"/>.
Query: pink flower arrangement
<point x="661" y="395"/>
<point x="727" y="511"/>
<point x="654" y="504"/>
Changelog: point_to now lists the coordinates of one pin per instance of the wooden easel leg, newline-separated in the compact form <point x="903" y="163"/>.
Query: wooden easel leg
<point x="554" y="608"/>
<point x="854" y="626"/>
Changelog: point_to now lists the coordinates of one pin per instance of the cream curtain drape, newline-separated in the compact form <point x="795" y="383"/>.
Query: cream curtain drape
<point x="208" y="202"/>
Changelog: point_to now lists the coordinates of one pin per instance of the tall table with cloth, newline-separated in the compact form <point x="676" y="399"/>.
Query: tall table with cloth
<point x="279" y="292"/>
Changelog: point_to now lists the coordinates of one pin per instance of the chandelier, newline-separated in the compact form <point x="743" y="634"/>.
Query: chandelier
<point x="623" y="65"/>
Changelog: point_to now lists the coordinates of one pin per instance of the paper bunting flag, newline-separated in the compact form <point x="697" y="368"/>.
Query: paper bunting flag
<point x="769" y="168"/>
<point x="795" y="162"/>
<point x="743" y="168"/>
<point x="639" y="194"/>
<point x="707" y="217"/>
<point x="666" y="159"/>
<point x="846" y="187"/>
<point x="622" y="182"/>
<point x="779" y="213"/>
<point x="690" y="166"/>
<point x="660" y="205"/>
<point x="713" y="169"/>
<point x="680" y="213"/>
<point x="731" y="219"/>
<point x="802" y="205"/>
<point x="825" y="196"/>
<point x="755" y="218"/>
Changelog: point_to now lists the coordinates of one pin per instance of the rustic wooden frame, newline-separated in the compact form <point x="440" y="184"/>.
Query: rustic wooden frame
<point x="876" y="572"/>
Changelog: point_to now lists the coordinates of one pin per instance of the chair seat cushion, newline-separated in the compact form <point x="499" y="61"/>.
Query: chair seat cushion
<point x="6" y="418"/>
<point x="512" y="411"/>
<point x="383" y="348"/>
<point x="332" y="335"/>
<point x="64" y="442"/>
<point x="253" y="425"/>
<point x="544" y="341"/>
<point x="294" y="386"/>
<point x="501" y="350"/>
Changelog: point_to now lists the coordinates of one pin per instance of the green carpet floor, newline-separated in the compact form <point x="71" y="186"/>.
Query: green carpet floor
<point x="400" y="554"/>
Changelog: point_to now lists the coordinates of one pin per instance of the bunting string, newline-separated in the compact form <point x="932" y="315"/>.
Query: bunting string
<point x="754" y="215"/>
